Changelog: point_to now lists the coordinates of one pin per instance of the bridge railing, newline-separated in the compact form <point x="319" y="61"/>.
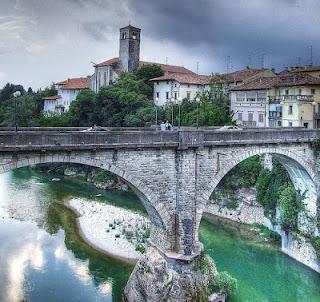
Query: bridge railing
<point x="29" y="140"/>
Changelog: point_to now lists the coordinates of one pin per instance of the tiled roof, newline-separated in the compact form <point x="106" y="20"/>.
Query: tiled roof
<point x="55" y="97"/>
<point x="185" y="78"/>
<point x="297" y="79"/>
<point x="260" y="83"/>
<point x="75" y="83"/>
<point x="165" y="67"/>
<point x="241" y="75"/>
<point x="286" y="80"/>
<point x="306" y="68"/>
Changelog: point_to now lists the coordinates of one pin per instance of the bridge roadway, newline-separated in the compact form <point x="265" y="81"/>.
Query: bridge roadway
<point x="79" y="139"/>
<point x="174" y="173"/>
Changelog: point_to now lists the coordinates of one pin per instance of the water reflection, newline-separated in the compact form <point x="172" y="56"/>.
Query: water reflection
<point x="46" y="260"/>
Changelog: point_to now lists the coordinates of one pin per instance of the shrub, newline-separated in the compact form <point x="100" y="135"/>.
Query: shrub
<point x="140" y="248"/>
<point x="224" y="283"/>
<point x="316" y="244"/>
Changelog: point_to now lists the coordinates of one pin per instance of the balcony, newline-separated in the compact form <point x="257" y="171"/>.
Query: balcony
<point x="275" y="114"/>
<point x="281" y="98"/>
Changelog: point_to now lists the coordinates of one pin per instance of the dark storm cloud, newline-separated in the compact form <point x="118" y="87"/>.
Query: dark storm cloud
<point x="281" y="30"/>
<point x="37" y="35"/>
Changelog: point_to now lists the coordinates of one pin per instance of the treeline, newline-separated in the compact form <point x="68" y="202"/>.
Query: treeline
<point x="127" y="102"/>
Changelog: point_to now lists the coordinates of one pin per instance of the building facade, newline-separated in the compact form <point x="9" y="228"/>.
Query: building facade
<point x="67" y="93"/>
<point x="287" y="100"/>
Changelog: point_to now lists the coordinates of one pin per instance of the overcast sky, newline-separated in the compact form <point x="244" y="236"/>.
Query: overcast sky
<point x="43" y="41"/>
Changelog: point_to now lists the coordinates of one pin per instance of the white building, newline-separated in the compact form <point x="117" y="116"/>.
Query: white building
<point x="176" y="86"/>
<point x="249" y="101"/>
<point x="67" y="93"/>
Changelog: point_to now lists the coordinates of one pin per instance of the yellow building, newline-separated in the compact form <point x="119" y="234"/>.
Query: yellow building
<point x="294" y="101"/>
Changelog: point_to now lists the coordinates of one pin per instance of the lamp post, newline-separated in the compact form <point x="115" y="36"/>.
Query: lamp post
<point x="156" y="108"/>
<point x="172" y="116"/>
<point x="198" y="102"/>
<point x="16" y="95"/>
<point x="179" y="106"/>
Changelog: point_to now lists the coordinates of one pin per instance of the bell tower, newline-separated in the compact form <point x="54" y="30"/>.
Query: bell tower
<point x="129" y="50"/>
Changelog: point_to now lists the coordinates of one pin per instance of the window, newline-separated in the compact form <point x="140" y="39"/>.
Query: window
<point x="279" y="123"/>
<point x="175" y="95"/>
<point x="134" y="36"/>
<point x="290" y="124"/>
<point x="250" y="116"/>
<point x="305" y="125"/>
<point x="240" y="116"/>
<point x="241" y="97"/>
<point x="167" y="82"/>
<point x="313" y="91"/>
<point x="124" y="35"/>
<point x="188" y="85"/>
<point x="251" y="96"/>
<point x="175" y="85"/>
<point x="105" y="78"/>
<point x="157" y="82"/>
<point x="261" y="117"/>
<point x="188" y="95"/>
<point x="290" y="109"/>
<point x="167" y="95"/>
<point x="158" y="94"/>
<point x="300" y="91"/>
<point x="287" y="92"/>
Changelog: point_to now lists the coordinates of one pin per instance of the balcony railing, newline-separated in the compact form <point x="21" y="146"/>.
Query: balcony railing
<point x="275" y="114"/>
<point x="306" y="98"/>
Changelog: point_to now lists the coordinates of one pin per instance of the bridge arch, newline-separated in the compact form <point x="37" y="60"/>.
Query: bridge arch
<point x="157" y="213"/>
<point x="299" y="169"/>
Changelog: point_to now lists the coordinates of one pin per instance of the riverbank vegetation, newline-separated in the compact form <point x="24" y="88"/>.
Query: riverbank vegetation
<point x="274" y="191"/>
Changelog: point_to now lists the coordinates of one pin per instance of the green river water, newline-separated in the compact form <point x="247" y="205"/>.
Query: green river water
<point x="43" y="259"/>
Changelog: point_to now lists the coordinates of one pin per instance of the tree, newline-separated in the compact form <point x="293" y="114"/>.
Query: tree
<point x="148" y="72"/>
<point x="81" y="112"/>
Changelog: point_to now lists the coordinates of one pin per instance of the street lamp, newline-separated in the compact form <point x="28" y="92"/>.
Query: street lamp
<point x="16" y="95"/>
<point x="179" y="106"/>
<point x="172" y="103"/>
<point x="156" y="108"/>
<point x="198" y="102"/>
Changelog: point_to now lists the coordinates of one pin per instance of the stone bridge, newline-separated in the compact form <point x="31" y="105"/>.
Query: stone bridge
<point x="173" y="172"/>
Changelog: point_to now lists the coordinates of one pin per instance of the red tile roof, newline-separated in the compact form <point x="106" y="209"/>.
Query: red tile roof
<point x="55" y="97"/>
<point x="240" y="75"/>
<point x="75" y="83"/>
<point x="185" y="78"/>
<point x="165" y="67"/>
<point x="260" y="83"/>
<point x="286" y="80"/>
<point x="306" y="68"/>
<point x="297" y="79"/>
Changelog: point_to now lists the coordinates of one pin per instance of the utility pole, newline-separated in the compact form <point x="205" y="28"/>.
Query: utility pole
<point x="311" y="55"/>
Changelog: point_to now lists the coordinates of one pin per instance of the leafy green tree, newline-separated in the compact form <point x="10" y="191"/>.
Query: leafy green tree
<point x="290" y="205"/>
<point x="81" y="112"/>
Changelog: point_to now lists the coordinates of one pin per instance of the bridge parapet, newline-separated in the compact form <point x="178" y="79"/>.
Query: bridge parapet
<point x="182" y="139"/>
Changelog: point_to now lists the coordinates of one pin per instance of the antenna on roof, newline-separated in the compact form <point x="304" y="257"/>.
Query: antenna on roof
<point x="228" y="64"/>
<point x="262" y="60"/>
<point x="311" y="55"/>
<point x="167" y="60"/>
<point x="249" y="60"/>
<point x="299" y="61"/>
<point x="198" y="67"/>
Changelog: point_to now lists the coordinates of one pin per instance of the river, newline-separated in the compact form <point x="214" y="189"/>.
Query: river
<point x="42" y="257"/>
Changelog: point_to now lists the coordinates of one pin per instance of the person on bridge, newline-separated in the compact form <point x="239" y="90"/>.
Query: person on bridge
<point x="168" y="126"/>
<point x="163" y="126"/>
